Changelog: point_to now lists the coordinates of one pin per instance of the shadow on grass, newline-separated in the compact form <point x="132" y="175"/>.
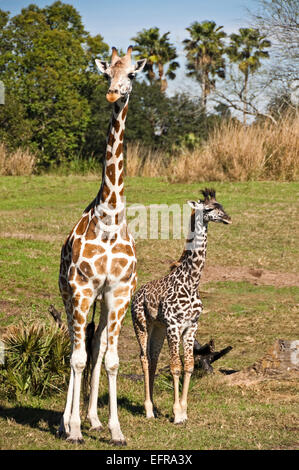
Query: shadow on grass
<point x="33" y="417"/>
<point x="122" y="402"/>
<point x="48" y="420"/>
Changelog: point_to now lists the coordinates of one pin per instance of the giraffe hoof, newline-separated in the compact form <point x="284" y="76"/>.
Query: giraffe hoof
<point x="181" y="421"/>
<point x="118" y="443"/>
<point x="78" y="440"/>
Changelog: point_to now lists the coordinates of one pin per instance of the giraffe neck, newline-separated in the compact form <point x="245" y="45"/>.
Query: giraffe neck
<point x="110" y="198"/>
<point x="195" y="250"/>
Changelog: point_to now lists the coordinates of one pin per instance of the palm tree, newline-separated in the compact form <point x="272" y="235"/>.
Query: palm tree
<point x="158" y="51"/>
<point x="247" y="49"/>
<point x="205" y="51"/>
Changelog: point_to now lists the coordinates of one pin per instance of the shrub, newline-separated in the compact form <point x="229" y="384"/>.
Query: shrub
<point x="17" y="163"/>
<point x="36" y="360"/>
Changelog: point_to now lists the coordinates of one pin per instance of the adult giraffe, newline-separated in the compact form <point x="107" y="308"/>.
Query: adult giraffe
<point x="98" y="261"/>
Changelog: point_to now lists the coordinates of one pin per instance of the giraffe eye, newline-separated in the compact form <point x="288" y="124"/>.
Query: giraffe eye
<point x="106" y="76"/>
<point x="131" y="76"/>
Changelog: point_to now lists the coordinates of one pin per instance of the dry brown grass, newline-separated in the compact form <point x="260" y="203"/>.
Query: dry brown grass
<point x="233" y="152"/>
<point x="17" y="163"/>
<point x="142" y="161"/>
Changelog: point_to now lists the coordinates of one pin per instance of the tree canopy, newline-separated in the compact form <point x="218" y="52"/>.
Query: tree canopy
<point x="55" y="100"/>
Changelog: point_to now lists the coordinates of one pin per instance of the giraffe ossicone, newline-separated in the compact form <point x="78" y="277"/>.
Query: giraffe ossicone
<point x="98" y="261"/>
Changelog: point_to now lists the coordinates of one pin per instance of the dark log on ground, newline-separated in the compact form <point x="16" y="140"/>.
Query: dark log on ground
<point x="205" y="355"/>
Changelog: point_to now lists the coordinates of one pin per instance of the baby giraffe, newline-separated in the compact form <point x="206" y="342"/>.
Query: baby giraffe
<point x="171" y="307"/>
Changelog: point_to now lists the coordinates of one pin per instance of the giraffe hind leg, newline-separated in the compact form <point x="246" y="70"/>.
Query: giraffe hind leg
<point x="156" y="341"/>
<point x="143" y="331"/>
<point x="99" y="347"/>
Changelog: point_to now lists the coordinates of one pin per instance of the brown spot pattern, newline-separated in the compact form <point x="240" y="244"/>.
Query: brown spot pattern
<point x="72" y="273"/>
<point x="110" y="172"/>
<point x="76" y="250"/>
<point x="116" y="124"/>
<point x="79" y="318"/>
<point x="105" y="192"/>
<point x="86" y="269"/>
<point x="112" y="326"/>
<point x="100" y="264"/>
<point x="124" y="113"/>
<point x="82" y="225"/>
<point x="81" y="279"/>
<point x="111" y="140"/>
<point x="119" y="150"/>
<point x="90" y="234"/>
<point x="129" y="272"/>
<point x="91" y="250"/>
<point x="112" y="316"/>
<point x="112" y="199"/>
<point x="121" y="248"/>
<point x="120" y="179"/>
<point x="117" y="266"/>
<point x="85" y="304"/>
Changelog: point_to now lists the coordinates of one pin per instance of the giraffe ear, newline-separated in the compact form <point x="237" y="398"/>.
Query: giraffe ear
<point x="139" y="65"/>
<point x="192" y="204"/>
<point x="196" y="205"/>
<point x="102" y="65"/>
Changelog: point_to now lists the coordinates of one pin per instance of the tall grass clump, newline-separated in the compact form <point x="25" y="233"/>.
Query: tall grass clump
<point x="36" y="360"/>
<point x="234" y="152"/>
<point x="17" y="163"/>
<point x="143" y="161"/>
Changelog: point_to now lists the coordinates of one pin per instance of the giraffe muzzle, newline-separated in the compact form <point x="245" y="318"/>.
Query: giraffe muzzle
<point x="227" y="220"/>
<point x="113" y="96"/>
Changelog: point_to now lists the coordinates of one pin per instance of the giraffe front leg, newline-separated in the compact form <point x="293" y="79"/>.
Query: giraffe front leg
<point x="188" y="342"/>
<point x="173" y="338"/>
<point x="78" y="362"/>
<point x="117" y="308"/>
<point x="99" y="347"/>
<point x="64" y="427"/>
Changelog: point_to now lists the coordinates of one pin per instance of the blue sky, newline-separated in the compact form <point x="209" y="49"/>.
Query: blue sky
<point x="119" y="20"/>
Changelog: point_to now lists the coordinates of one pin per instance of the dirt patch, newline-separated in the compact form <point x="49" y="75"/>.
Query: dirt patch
<point x="254" y="276"/>
<point x="9" y="307"/>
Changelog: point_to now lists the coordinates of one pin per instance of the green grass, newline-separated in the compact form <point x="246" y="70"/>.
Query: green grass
<point x="37" y="214"/>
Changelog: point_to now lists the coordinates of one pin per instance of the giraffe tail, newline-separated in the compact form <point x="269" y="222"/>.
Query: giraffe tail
<point x="89" y="334"/>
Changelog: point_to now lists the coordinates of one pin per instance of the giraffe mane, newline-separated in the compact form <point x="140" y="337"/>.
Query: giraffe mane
<point x="208" y="194"/>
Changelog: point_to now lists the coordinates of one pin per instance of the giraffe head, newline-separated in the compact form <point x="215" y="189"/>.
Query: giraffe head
<point x="211" y="209"/>
<point x="120" y="74"/>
